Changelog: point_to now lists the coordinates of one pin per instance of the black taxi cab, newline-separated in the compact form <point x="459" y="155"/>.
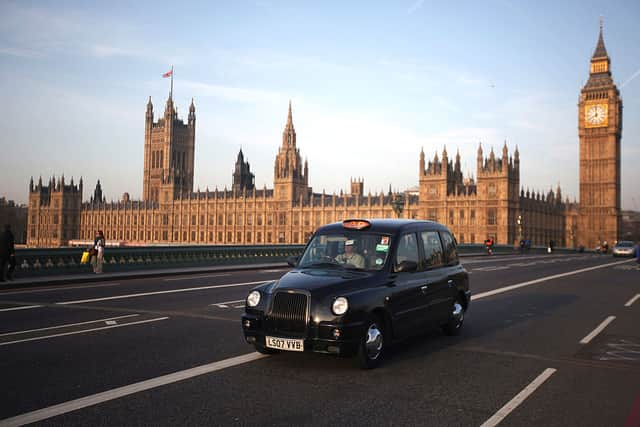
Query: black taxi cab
<point x="359" y="286"/>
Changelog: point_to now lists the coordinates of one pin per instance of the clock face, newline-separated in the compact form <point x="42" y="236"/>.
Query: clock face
<point x="596" y="114"/>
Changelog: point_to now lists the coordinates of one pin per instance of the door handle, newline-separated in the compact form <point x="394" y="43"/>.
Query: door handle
<point x="424" y="288"/>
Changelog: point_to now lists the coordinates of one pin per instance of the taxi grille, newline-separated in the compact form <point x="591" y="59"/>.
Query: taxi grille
<point x="289" y="313"/>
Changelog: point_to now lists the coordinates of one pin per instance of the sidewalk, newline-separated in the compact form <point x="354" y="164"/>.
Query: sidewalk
<point x="142" y="274"/>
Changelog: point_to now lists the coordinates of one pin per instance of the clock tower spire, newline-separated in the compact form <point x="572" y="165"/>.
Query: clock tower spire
<point x="600" y="132"/>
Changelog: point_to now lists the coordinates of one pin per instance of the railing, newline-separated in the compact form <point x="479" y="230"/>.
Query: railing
<point x="55" y="261"/>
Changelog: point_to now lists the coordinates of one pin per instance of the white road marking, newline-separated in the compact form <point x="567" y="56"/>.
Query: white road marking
<point x="238" y="306"/>
<point x="116" y="393"/>
<point x="67" y="325"/>
<point x="171" y="291"/>
<point x="542" y="279"/>
<point x="632" y="300"/>
<point x="82" y="332"/>
<point x="196" y="277"/>
<point x="111" y="322"/>
<point x="59" y="288"/>
<point x="273" y="270"/>
<point x="491" y="268"/>
<point x="224" y="304"/>
<point x="23" y="307"/>
<point x="597" y="330"/>
<point x="518" y="399"/>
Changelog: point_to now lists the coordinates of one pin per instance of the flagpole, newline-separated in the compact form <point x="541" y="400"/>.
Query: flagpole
<point x="171" y="93"/>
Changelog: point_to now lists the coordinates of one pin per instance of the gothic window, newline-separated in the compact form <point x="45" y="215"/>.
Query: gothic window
<point x="472" y="217"/>
<point x="281" y="237"/>
<point x="461" y="217"/>
<point x="259" y="237"/>
<point x="282" y="218"/>
<point x="201" y="219"/>
<point x="239" y="237"/>
<point x="228" y="237"/>
<point x="492" y="216"/>
<point x="248" y="237"/>
<point x="219" y="236"/>
<point x="269" y="237"/>
<point x="202" y="236"/>
<point x="295" y="237"/>
<point x="239" y="219"/>
<point x="492" y="190"/>
<point x="193" y="220"/>
<point x="259" y="219"/>
<point x="249" y="219"/>
<point x="451" y="216"/>
<point x="432" y="215"/>
<point x="193" y="236"/>
<point x="229" y="219"/>
<point x="210" y="221"/>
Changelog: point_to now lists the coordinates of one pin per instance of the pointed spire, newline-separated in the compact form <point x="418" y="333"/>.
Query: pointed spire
<point x="192" y="107"/>
<point x="601" y="51"/>
<point x="290" y="117"/>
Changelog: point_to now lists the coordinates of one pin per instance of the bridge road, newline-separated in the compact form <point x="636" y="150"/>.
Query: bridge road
<point x="58" y="345"/>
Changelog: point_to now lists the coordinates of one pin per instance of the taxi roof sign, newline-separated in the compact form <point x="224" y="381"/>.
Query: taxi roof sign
<point x="356" y="224"/>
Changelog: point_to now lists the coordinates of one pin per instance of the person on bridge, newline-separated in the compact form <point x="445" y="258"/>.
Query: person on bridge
<point x="489" y="245"/>
<point x="7" y="253"/>
<point x="98" y="250"/>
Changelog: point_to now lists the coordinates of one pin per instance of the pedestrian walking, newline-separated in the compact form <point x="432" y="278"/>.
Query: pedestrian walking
<point x="7" y="253"/>
<point x="97" y="256"/>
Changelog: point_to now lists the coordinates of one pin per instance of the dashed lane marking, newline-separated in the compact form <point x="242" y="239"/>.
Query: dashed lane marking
<point x="22" y="307"/>
<point x="116" y="393"/>
<point x="66" y="325"/>
<point x="171" y="291"/>
<point x="196" y="277"/>
<point x="518" y="399"/>
<point x="632" y="300"/>
<point x="597" y="330"/>
<point x="82" y="332"/>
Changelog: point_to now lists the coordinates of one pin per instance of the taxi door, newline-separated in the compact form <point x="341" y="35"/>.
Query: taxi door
<point x="439" y="288"/>
<point x="407" y="301"/>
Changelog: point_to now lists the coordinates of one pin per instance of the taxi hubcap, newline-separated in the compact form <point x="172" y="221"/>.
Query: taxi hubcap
<point x="373" y="342"/>
<point x="458" y="314"/>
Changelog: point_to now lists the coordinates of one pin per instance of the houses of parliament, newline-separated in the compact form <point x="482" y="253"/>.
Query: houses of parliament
<point x="493" y="204"/>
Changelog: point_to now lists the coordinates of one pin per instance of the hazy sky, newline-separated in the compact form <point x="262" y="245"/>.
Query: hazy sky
<point x="371" y="83"/>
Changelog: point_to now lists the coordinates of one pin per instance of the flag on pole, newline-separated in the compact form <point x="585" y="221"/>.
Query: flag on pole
<point x="168" y="73"/>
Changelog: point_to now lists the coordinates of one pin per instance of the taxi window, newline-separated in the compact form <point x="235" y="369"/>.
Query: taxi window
<point x="450" y="250"/>
<point x="433" y="253"/>
<point x="407" y="249"/>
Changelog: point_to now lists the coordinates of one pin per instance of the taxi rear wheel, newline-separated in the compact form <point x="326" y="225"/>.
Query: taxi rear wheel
<point x="456" y="319"/>
<point x="372" y="345"/>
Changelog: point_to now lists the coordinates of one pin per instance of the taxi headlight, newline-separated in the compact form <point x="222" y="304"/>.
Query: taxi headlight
<point x="340" y="306"/>
<point x="253" y="299"/>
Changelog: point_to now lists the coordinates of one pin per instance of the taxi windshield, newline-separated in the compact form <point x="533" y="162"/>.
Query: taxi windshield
<point x="358" y="251"/>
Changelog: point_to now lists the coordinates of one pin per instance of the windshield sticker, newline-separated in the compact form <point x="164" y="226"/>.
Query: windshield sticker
<point x="379" y="261"/>
<point x="382" y="248"/>
<point x="384" y="240"/>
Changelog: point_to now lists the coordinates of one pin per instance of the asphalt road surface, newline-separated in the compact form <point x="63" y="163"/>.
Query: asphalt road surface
<point x="549" y="340"/>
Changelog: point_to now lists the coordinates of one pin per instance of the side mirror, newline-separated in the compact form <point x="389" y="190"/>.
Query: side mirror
<point x="292" y="261"/>
<point x="407" y="267"/>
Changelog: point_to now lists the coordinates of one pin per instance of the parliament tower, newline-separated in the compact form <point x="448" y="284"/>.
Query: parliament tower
<point x="600" y="132"/>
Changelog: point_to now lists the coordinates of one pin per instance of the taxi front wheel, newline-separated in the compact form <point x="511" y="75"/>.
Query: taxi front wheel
<point x="371" y="347"/>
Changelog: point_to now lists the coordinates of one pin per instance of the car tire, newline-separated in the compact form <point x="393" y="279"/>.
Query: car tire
<point x="265" y="350"/>
<point x="456" y="319"/>
<point x="371" y="348"/>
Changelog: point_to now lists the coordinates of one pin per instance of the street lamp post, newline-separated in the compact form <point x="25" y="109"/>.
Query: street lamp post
<point x="397" y="204"/>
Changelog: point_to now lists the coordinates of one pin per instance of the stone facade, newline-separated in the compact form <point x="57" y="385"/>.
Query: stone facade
<point x="492" y="204"/>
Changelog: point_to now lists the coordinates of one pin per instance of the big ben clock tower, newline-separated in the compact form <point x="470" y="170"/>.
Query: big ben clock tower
<point x="600" y="131"/>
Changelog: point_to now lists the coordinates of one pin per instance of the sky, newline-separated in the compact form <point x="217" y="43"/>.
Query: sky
<point x="371" y="84"/>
